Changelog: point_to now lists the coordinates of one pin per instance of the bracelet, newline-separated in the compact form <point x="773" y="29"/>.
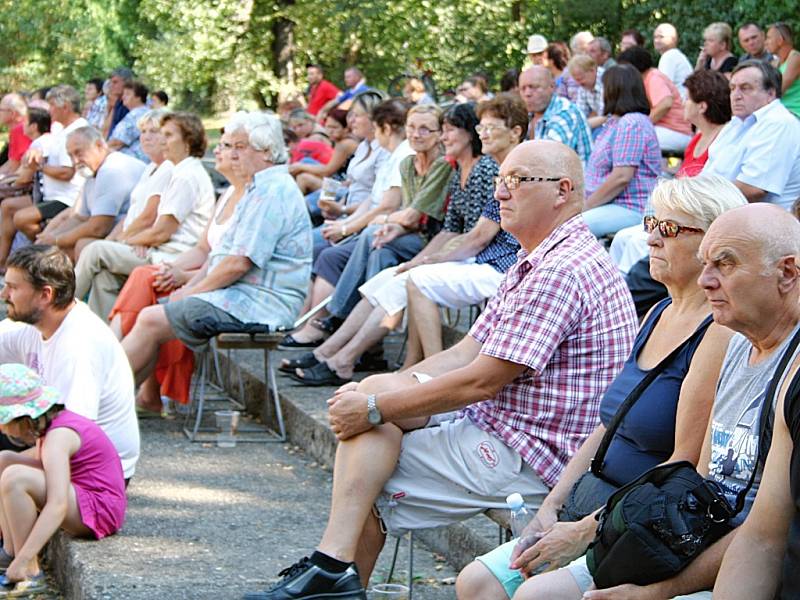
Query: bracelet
<point x="344" y="231"/>
<point x="386" y="219"/>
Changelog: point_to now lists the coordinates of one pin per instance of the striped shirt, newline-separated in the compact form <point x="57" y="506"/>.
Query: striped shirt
<point x="564" y="122"/>
<point x="564" y="312"/>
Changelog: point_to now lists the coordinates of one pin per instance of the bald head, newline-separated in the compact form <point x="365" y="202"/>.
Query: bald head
<point x="555" y="160"/>
<point x="665" y="37"/>
<point x="536" y="87"/>
<point x="771" y="230"/>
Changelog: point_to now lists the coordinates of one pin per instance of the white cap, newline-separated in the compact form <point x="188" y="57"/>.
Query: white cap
<point x="515" y="501"/>
<point x="536" y="44"/>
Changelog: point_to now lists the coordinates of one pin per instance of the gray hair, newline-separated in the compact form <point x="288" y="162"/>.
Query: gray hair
<point x="16" y="103"/>
<point x="151" y="116"/>
<point x="771" y="78"/>
<point x="64" y="95"/>
<point x="89" y="134"/>
<point x="575" y="40"/>
<point x="703" y="198"/>
<point x="123" y="73"/>
<point x="604" y="44"/>
<point x="782" y="239"/>
<point x="264" y="132"/>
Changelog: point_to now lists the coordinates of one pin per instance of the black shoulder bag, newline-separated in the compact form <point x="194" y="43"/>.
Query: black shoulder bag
<point x="592" y="490"/>
<point x="652" y="528"/>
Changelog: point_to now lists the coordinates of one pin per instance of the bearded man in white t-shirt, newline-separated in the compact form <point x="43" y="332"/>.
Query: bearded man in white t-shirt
<point x="69" y="346"/>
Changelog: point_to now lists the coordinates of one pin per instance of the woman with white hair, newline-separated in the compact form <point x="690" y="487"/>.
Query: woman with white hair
<point x="259" y="270"/>
<point x="666" y="423"/>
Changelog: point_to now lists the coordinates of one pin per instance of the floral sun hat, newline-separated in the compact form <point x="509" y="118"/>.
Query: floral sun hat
<point x="23" y="393"/>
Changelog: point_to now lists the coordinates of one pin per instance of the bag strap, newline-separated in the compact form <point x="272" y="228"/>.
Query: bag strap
<point x="765" y="420"/>
<point x="616" y="421"/>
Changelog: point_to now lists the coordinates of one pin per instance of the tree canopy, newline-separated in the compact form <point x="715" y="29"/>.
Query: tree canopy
<point x="222" y="53"/>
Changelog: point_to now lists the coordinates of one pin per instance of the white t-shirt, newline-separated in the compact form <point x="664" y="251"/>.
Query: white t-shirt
<point x="215" y="229"/>
<point x="674" y="64"/>
<point x="153" y="182"/>
<point x="87" y="365"/>
<point x="388" y="175"/>
<point x="189" y="198"/>
<point x="57" y="189"/>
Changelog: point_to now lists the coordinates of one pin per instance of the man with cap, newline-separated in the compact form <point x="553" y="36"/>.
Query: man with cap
<point x="537" y="49"/>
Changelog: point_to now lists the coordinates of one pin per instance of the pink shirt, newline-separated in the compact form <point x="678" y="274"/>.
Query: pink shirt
<point x="565" y="313"/>
<point x="96" y="475"/>
<point x="658" y="86"/>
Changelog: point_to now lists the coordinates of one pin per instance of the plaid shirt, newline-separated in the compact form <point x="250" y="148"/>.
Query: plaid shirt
<point x="627" y="141"/>
<point x="564" y="312"/>
<point x="564" y="122"/>
<point x="592" y="101"/>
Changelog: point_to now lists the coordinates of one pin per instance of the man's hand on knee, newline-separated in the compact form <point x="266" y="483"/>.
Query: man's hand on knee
<point x="347" y="413"/>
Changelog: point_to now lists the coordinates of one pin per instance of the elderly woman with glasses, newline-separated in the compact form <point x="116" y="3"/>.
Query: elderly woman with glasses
<point x="258" y="273"/>
<point x="666" y="423"/>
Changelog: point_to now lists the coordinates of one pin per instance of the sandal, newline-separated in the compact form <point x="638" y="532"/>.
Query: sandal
<point x="328" y="325"/>
<point x="304" y="361"/>
<point x="24" y="588"/>
<point x="319" y="375"/>
<point x="146" y="413"/>
<point x="371" y="362"/>
<point x="290" y="342"/>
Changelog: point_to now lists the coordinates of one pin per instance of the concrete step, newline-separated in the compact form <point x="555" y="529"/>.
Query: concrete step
<point x="305" y="414"/>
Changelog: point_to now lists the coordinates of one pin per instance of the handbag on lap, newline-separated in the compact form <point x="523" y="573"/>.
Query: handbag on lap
<point x="652" y="528"/>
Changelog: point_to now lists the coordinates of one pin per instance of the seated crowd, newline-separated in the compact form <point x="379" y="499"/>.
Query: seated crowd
<point x="365" y="214"/>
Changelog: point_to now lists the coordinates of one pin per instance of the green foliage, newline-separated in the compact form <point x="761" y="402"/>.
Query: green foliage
<point x="213" y="54"/>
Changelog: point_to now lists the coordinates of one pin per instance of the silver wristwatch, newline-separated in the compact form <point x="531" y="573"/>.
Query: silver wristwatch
<point x="373" y="414"/>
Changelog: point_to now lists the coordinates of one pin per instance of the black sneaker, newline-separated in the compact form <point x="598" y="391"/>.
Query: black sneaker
<point x="306" y="581"/>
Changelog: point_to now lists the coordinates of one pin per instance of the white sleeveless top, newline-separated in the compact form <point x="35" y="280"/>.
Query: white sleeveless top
<point x="217" y="230"/>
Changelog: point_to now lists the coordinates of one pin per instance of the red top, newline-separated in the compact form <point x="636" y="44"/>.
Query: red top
<point x="320" y="94"/>
<point x="18" y="142"/>
<point x="319" y="151"/>
<point x="692" y="165"/>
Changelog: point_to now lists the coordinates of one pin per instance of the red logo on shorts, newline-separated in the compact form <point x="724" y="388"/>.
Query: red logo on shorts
<point x="488" y="455"/>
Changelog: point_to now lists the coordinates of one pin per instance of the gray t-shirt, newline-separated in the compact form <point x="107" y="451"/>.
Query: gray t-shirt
<point x="109" y="191"/>
<point x="735" y="419"/>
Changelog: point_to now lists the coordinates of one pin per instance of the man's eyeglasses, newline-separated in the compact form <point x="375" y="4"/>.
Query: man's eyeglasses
<point x="420" y="131"/>
<point x="488" y="129"/>
<point x="667" y="228"/>
<point x="511" y="182"/>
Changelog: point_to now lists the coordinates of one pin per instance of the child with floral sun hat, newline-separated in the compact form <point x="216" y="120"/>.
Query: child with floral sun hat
<point x="71" y="479"/>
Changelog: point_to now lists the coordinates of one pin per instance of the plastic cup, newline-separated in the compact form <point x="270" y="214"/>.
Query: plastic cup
<point x="389" y="591"/>
<point x="329" y="189"/>
<point x="227" y="422"/>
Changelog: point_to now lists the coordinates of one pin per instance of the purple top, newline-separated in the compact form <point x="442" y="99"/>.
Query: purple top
<point x="96" y="475"/>
<point x="627" y="141"/>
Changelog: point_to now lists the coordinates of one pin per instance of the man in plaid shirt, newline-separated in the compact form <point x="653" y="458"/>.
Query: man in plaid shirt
<point x="526" y="383"/>
<point x="553" y="117"/>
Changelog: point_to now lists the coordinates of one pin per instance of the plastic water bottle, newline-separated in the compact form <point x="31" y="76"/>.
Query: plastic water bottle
<point x="519" y="517"/>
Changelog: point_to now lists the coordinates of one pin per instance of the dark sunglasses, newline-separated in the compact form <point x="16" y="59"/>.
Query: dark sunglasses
<point x="667" y="229"/>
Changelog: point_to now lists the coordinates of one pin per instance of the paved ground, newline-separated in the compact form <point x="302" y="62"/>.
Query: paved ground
<point x="205" y="522"/>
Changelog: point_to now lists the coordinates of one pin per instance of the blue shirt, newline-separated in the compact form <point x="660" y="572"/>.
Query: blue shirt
<point x="564" y="122"/>
<point x="352" y="92"/>
<point x="127" y="132"/>
<point x="272" y="228"/>
<point x="761" y="150"/>
<point x="646" y="436"/>
<point x="117" y="114"/>
<point x="108" y="193"/>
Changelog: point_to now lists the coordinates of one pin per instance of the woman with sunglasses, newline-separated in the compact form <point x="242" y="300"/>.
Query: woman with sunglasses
<point x="666" y="423"/>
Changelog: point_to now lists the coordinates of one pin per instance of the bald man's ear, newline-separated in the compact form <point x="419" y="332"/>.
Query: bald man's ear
<point x="790" y="275"/>
<point x="565" y="188"/>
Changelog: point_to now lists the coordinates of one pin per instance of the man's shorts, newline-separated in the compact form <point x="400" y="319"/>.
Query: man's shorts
<point x="50" y="208"/>
<point x="195" y="321"/>
<point x="456" y="284"/>
<point x="452" y="470"/>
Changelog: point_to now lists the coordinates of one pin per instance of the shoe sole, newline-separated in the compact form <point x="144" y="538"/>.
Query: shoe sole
<point x="333" y="596"/>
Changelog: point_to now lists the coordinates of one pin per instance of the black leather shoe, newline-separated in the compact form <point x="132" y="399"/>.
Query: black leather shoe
<point x="329" y="324"/>
<point x="306" y="581"/>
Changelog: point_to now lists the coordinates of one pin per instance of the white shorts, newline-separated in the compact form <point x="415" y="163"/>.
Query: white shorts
<point x="451" y="470"/>
<point x="457" y="284"/>
<point x="387" y="290"/>
<point x="580" y="573"/>
<point x="628" y="247"/>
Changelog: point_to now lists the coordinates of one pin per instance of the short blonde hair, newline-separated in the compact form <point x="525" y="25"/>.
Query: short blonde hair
<point x="426" y="109"/>
<point x="151" y="116"/>
<point x="722" y="31"/>
<point x="582" y="62"/>
<point x="703" y="198"/>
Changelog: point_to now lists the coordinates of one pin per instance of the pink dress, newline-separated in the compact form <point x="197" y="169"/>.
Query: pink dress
<point x="96" y="475"/>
